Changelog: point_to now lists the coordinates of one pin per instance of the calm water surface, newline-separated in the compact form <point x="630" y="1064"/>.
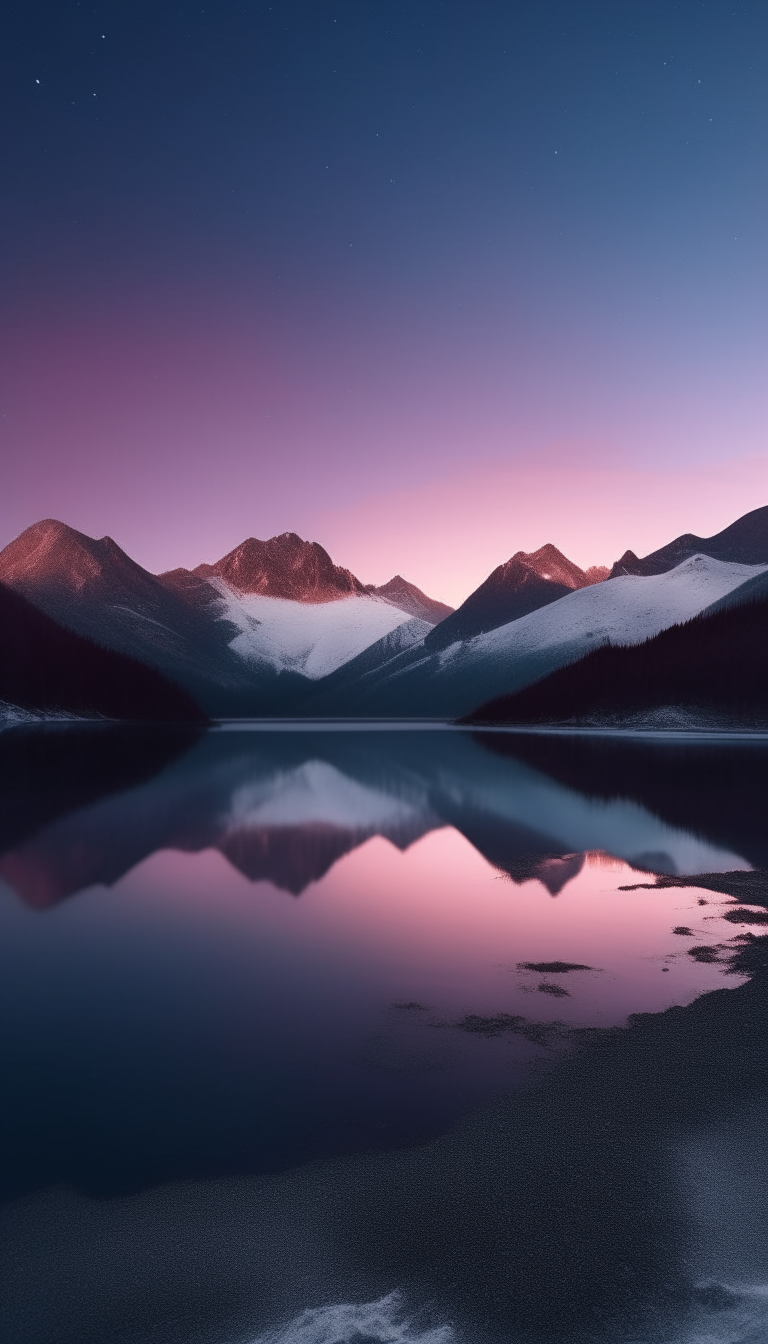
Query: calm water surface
<point x="366" y="1035"/>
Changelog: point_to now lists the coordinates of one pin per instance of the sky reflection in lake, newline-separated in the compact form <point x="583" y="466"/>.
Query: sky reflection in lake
<point x="253" y="950"/>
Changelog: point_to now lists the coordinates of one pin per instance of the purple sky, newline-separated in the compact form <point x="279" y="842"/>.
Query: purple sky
<point x="428" y="283"/>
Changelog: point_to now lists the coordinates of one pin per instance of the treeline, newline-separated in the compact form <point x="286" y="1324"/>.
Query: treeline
<point x="45" y="667"/>
<point x="715" y="664"/>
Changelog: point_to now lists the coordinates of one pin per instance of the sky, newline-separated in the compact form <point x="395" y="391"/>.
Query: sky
<point x="428" y="282"/>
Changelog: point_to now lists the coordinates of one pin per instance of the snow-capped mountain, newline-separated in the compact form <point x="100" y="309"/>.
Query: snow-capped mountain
<point x="312" y="639"/>
<point x="276" y="628"/>
<point x="745" y="542"/>
<point x="246" y="636"/>
<point x="302" y="571"/>
<point x="452" y="681"/>
<point x="711" y="671"/>
<point x="521" y="585"/>
<point x="294" y="611"/>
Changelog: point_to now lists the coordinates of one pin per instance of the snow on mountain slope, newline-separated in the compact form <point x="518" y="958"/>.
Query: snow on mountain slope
<point x="627" y="610"/>
<point x="753" y="590"/>
<point x="632" y="608"/>
<point x="311" y="639"/>
<point x="524" y="583"/>
<point x="333" y="690"/>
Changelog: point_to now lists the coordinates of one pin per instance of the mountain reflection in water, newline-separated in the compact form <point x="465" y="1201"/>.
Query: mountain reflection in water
<point x="284" y="807"/>
<point x="230" y="1114"/>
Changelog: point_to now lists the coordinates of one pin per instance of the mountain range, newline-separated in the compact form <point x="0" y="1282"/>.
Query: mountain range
<point x="277" y="628"/>
<point x="245" y="636"/>
<point x="521" y="585"/>
<point x="709" y="669"/>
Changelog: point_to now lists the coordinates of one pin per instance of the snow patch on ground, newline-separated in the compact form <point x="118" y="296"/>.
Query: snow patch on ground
<point x="14" y="716"/>
<point x="380" y="1322"/>
<point x="309" y="638"/>
<point x="671" y="718"/>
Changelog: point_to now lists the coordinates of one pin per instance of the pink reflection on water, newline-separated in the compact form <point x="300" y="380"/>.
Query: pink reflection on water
<point x="438" y="926"/>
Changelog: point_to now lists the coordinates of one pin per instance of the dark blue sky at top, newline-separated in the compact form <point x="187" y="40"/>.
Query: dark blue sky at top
<point x="271" y="137"/>
<point x="459" y="231"/>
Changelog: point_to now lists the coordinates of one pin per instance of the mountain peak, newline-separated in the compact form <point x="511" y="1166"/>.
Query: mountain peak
<point x="528" y="580"/>
<point x="284" y="566"/>
<point x="411" y="599"/>
<point x="51" y="551"/>
<point x="744" y="542"/>
<point x="550" y="564"/>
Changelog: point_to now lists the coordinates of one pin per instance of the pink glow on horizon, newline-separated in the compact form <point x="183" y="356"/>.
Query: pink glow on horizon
<point x="448" y="537"/>
<point x="182" y="427"/>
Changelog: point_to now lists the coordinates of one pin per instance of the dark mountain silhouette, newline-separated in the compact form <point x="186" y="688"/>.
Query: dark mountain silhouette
<point x="745" y="542"/>
<point x="94" y="589"/>
<point x="715" y="665"/>
<point x="45" y="667"/>
<point x="411" y="599"/>
<point x="522" y="584"/>
<point x="285" y="566"/>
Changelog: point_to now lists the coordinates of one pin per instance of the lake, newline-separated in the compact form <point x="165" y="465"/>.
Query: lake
<point x="334" y="1035"/>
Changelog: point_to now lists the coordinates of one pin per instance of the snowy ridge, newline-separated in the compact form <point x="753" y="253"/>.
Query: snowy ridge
<point x="312" y="640"/>
<point x="629" y="610"/>
<point x="625" y="610"/>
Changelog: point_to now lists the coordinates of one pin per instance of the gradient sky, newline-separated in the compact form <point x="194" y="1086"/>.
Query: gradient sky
<point x="426" y="282"/>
